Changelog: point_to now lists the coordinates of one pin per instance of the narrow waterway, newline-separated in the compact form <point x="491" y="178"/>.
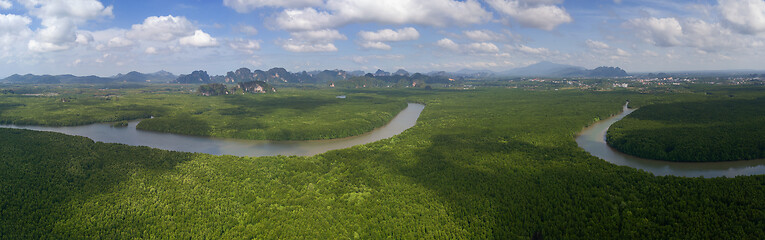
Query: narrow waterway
<point x="593" y="140"/>
<point x="129" y="135"/>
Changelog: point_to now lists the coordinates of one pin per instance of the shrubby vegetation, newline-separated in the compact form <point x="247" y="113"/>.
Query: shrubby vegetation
<point x="483" y="164"/>
<point x="698" y="131"/>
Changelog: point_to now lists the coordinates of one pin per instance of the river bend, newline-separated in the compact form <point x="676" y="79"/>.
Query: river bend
<point x="103" y="132"/>
<point x="593" y="140"/>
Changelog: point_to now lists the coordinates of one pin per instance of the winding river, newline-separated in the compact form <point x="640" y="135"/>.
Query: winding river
<point x="129" y="135"/>
<point x="593" y="140"/>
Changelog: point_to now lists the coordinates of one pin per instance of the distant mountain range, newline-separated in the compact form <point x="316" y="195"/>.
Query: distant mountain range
<point x="132" y="77"/>
<point x="543" y="69"/>
<point x="281" y="75"/>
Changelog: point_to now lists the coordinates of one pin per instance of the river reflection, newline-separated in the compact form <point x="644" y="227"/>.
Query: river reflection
<point x="593" y="140"/>
<point x="223" y="146"/>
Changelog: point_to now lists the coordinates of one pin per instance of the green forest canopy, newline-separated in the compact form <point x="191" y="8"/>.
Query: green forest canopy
<point x="485" y="164"/>
<point x="698" y="131"/>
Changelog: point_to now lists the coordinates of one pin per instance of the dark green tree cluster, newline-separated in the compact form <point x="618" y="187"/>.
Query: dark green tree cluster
<point x="212" y="89"/>
<point x="705" y="131"/>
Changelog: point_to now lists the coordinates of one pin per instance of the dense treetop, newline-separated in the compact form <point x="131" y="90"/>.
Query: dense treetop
<point x="698" y="131"/>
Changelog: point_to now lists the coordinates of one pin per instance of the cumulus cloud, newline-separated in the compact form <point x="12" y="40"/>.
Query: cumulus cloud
<point x="695" y="33"/>
<point x="5" y="4"/>
<point x="245" y="6"/>
<point x="448" y="44"/>
<point x="59" y="20"/>
<point x="531" y="50"/>
<point x="375" y="45"/>
<point x="541" y="14"/>
<point x="199" y="39"/>
<point x="162" y="28"/>
<point x="482" y="47"/>
<point x="313" y="41"/>
<point x="324" y="35"/>
<point x="119" y="42"/>
<point x="84" y="38"/>
<point x="425" y="12"/>
<point x="309" y="47"/>
<point x="389" y="35"/>
<point x="592" y="44"/>
<point x="247" y="46"/>
<point x="746" y="16"/>
<point x="484" y="35"/>
<point x="477" y="47"/>
<point x="664" y="32"/>
<point x="377" y="39"/>
<point x="603" y="49"/>
<point x="11" y="24"/>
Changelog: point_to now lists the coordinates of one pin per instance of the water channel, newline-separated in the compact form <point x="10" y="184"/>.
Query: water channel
<point x="593" y="140"/>
<point x="103" y="132"/>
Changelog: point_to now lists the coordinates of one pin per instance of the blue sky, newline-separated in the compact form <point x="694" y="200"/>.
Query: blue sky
<point x="91" y="37"/>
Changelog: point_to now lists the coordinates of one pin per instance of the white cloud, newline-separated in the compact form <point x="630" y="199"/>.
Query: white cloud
<point x="426" y="12"/>
<point x="477" y="47"/>
<point x="5" y="4"/>
<point x="620" y="52"/>
<point x="309" y="47"/>
<point x="37" y="46"/>
<point x="534" y="51"/>
<point x="712" y="37"/>
<point x="119" y="42"/>
<point x="245" y="6"/>
<point x="12" y="24"/>
<point x="542" y="14"/>
<point x="484" y="35"/>
<point x="389" y="35"/>
<point x="746" y="16"/>
<point x="313" y="41"/>
<point x="448" y="44"/>
<point x="247" y="46"/>
<point x="375" y="45"/>
<point x="249" y="30"/>
<point x="305" y="19"/>
<point x="596" y="44"/>
<point x="162" y="28"/>
<point x="376" y="40"/>
<point x="59" y="21"/>
<point x="482" y="47"/>
<point x="324" y="35"/>
<point x="664" y="32"/>
<point x="84" y="38"/>
<point x="199" y="39"/>
<point x="694" y="33"/>
<point x="150" y="50"/>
